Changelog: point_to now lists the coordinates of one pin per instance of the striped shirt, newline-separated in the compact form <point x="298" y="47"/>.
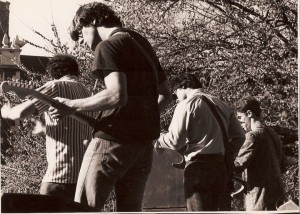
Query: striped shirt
<point x="64" y="138"/>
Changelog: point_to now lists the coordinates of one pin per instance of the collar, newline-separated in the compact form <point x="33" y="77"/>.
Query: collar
<point x="259" y="125"/>
<point x="196" y="92"/>
<point x="68" y="78"/>
<point x="120" y="29"/>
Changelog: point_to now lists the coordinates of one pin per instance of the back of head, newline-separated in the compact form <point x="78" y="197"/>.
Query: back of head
<point x="249" y="103"/>
<point x="61" y="65"/>
<point x="186" y="81"/>
<point x="97" y="14"/>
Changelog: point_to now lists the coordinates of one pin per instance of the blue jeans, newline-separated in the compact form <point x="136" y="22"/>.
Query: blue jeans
<point x="106" y="164"/>
<point x="204" y="183"/>
<point x="58" y="189"/>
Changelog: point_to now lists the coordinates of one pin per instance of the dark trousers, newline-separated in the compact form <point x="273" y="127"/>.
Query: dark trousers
<point x="225" y="201"/>
<point x="205" y="182"/>
<point x="58" y="189"/>
<point x="106" y="164"/>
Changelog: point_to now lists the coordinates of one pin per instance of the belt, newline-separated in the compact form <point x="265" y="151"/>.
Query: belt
<point x="207" y="157"/>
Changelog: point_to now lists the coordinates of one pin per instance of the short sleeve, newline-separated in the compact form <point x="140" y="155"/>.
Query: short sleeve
<point x="106" y="59"/>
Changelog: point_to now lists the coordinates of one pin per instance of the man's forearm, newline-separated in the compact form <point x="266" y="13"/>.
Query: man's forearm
<point x="106" y="99"/>
<point x="167" y="141"/>
<point x="20" y="111"/>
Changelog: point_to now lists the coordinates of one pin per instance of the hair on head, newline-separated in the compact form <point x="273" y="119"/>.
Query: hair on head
<point x="95" y="13"/>
<point x="249" y="103"/>
<point x="61" y="65"/>
<point x="186" y="81"/>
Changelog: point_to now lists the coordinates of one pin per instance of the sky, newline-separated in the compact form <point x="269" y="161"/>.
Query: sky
<point x="26" y="15"/>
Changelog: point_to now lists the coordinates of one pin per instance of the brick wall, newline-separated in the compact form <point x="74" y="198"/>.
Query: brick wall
<point x="4" y="19"/>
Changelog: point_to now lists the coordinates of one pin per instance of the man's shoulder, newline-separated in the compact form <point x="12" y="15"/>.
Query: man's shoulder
<point x="191" y="100"/>
<point x="112" y="44"/>
<point x="252" y="133"/>
<point x="189" y="104"/>
<point x="67" y="84"/>
<point x="252" y="136"/>
<point x="64" y="82"/>
<point x="220" y="104"/>
<point x="257" y="134"/>
<point x="46" y="86"/>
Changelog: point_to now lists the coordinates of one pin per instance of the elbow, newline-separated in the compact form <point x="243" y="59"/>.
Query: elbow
<point x="120" y="99"/>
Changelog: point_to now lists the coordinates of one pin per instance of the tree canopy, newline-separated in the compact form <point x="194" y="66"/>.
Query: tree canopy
<point x="236" y="47"/>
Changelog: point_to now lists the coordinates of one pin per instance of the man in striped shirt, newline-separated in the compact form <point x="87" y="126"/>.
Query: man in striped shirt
<point x="65" y="137"/>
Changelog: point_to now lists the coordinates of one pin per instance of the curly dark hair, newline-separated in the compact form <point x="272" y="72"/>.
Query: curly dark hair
<point x="186" y="80"/>
<point x="249" y="103"/>
<point x="61" y="65"/>
<point x="97" y="14"/>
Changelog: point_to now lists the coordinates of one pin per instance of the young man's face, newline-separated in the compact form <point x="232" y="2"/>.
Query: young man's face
<point x="244" y="120"/>
<point x="91" y="37"/>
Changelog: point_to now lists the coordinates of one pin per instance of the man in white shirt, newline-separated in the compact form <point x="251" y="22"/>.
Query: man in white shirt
<point x="195" y="127"/>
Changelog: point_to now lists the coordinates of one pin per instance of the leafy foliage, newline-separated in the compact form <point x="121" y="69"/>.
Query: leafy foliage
<point x="238" y="48"/>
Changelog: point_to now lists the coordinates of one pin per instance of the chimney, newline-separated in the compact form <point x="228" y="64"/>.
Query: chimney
<point x="4" y="20"/>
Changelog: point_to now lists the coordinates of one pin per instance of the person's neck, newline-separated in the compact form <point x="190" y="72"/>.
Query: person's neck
<point x="105" y="32"/>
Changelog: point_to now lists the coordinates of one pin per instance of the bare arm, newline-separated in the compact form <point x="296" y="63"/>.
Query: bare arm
<point x="115" y="95"/>
<point x="20" y="111"/>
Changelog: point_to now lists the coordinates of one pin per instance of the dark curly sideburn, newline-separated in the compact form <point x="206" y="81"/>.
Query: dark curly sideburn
<point x="186" y="81"/>
<point x="102" y="14"/>
<point x="61" y="65"/>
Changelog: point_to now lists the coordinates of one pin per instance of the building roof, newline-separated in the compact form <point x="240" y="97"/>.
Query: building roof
<point x="36" y="64"/>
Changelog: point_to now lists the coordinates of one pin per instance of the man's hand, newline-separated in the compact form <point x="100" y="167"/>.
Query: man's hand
<point x="63" y="109"/>
<point x="5" y="111"/>
<point x="39" y="128"/>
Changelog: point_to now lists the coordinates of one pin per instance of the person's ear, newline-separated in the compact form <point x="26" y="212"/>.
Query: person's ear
<point x="249" y="113"/>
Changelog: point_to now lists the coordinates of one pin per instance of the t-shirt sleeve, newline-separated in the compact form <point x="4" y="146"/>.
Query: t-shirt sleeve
<point x="106" y="59"/>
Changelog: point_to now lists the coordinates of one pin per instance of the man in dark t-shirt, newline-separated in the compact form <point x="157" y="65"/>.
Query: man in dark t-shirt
<point x="120" y="154"/>
<point x="138" y="120"/>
